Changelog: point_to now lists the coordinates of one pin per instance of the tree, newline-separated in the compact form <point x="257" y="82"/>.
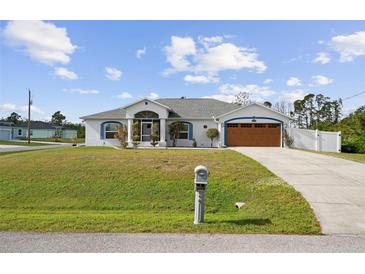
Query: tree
<point x="121" y="135"/>
<point x="58" y="118"/>
<point x="136" y="128"/>
<point x="315" y="110"/>
<point x="174" y="131"/>
<point x="283" y="107"/>
<point x="242" y="98"/>
<point x="212" y="133"/>
<point x="155" y="136"/>
<point x="14" y="118"/>
<point x="267" y="104"/>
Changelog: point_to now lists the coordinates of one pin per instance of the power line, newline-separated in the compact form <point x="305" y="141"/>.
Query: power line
<point x="352" y="96"/>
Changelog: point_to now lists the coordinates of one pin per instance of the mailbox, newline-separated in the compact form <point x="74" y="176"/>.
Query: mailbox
<point x="201" y="178"/>
<point x="200" y="183"/>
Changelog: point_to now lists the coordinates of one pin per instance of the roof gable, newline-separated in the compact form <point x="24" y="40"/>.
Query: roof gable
<point x="149" y="100"/>
<point x="256" y="104"/>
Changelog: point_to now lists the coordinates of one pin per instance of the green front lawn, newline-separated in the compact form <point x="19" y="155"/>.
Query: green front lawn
<point x="106" y="190"/>
<point x="17" y="143"/>
<point x="60" y="140"/>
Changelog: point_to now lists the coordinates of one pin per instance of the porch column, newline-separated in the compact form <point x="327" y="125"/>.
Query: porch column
<point x="162" y="132"/>
<point x="130" y="132"/>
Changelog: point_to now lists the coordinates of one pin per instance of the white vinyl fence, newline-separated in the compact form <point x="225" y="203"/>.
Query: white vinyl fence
<point x="316" y="140"/>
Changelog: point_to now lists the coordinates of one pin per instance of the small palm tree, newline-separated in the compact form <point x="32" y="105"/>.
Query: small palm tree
<point x="174" y="130"/>
<point x="212" y="133"/>
<point x="121" y="135"/>
<point x="155" y="136"/>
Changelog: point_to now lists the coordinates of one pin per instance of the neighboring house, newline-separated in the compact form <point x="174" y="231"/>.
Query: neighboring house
<point x="39" y="129"/>
<point x="249" y="125"/>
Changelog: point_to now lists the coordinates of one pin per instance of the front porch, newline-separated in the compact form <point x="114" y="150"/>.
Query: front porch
<point x="143" y="126"/>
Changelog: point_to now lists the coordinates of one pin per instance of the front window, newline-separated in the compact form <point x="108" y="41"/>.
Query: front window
<point x="110" y="130"/>
<point x="184" y="132"/>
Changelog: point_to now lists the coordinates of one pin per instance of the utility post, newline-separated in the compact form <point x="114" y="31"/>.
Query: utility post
<point x="29" y="104"/>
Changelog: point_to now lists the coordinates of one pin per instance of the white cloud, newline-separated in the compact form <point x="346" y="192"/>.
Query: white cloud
<point x="177" y="53"/>
<point x="33" y="109"/>
<point x="228" y="56"/>
<point x="7" y="107"/>
<point x="124" y="95"/>
<point x="141" y="52"/>
<point x="227" y="92"/>
<point x="293" y="81"/>
<point x="253" y="90"/>
<point x="209" y="59"/>
<point x="12" y="107"/>
<point x="153" y="96"/>
<point x="292" y="96"/>
<point x="322" y="58"/>
<point x="113" y="73"/>
<point x="207" y="41"/>
<point x="43" y="42"/>
<point x="200" y="79"/>
<point x="268" y="81"/>
<point x="81" y="91"/>
<point x="64" y="73"/>
<point x="321" y="80"/>
<point x="349" y="46"/>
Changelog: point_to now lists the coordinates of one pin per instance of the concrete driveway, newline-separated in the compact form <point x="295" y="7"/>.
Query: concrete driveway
<point x="335" y="188"/>
<point x="12" y="148"/>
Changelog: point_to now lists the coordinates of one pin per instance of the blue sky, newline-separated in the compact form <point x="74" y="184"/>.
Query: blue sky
<point x="84" y="67"/>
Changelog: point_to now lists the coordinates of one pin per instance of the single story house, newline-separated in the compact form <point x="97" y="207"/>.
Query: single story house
<point x="39" y="129"/>
<point x="250" y="125"/>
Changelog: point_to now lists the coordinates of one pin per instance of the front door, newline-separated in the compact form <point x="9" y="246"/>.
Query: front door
<point x="146" y="130"/>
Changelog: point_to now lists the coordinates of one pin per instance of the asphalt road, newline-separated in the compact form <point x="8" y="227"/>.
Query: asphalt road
<point x="334" y="187"/>
<point x="147" y="242"/>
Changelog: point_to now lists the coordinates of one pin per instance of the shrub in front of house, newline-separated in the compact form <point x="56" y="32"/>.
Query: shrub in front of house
<point x="212" y="133"/>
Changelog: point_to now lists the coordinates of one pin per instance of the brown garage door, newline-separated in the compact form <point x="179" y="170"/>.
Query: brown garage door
<point x="253" y="135"/>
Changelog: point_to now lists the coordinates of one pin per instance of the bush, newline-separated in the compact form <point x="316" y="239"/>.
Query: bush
<point x="212" y="133"/>
<point x="121" y="135"/>
<point x="288" y="140"/>
<point x="355" y="144"/>
<point x="155" y="136"/>
<point x="349" y="148"/>
<point x="194" y="143"/>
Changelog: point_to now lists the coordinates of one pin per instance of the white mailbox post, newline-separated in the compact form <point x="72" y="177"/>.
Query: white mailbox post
<point x="200" y="182"/>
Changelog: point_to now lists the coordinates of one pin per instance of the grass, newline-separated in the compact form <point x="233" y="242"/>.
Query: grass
<point x="357" y="157"/>
<point x="17" y="143"/>
<point x="60" y="140"/>
<point x="89" y="189"/>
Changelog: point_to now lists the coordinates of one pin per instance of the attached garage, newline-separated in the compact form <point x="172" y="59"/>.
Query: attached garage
<point x="253" y="125"/>
<point x="253" y="134"/>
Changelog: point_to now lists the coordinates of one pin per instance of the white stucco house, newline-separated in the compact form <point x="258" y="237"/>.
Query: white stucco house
<point x="250" y="125"/>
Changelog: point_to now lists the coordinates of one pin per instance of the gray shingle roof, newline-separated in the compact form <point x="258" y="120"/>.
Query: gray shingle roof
<point x="197" y="107"/>
<point x="34" y="125"/>
<point x="117" y="113"/>
<point x="181" y="108"/>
